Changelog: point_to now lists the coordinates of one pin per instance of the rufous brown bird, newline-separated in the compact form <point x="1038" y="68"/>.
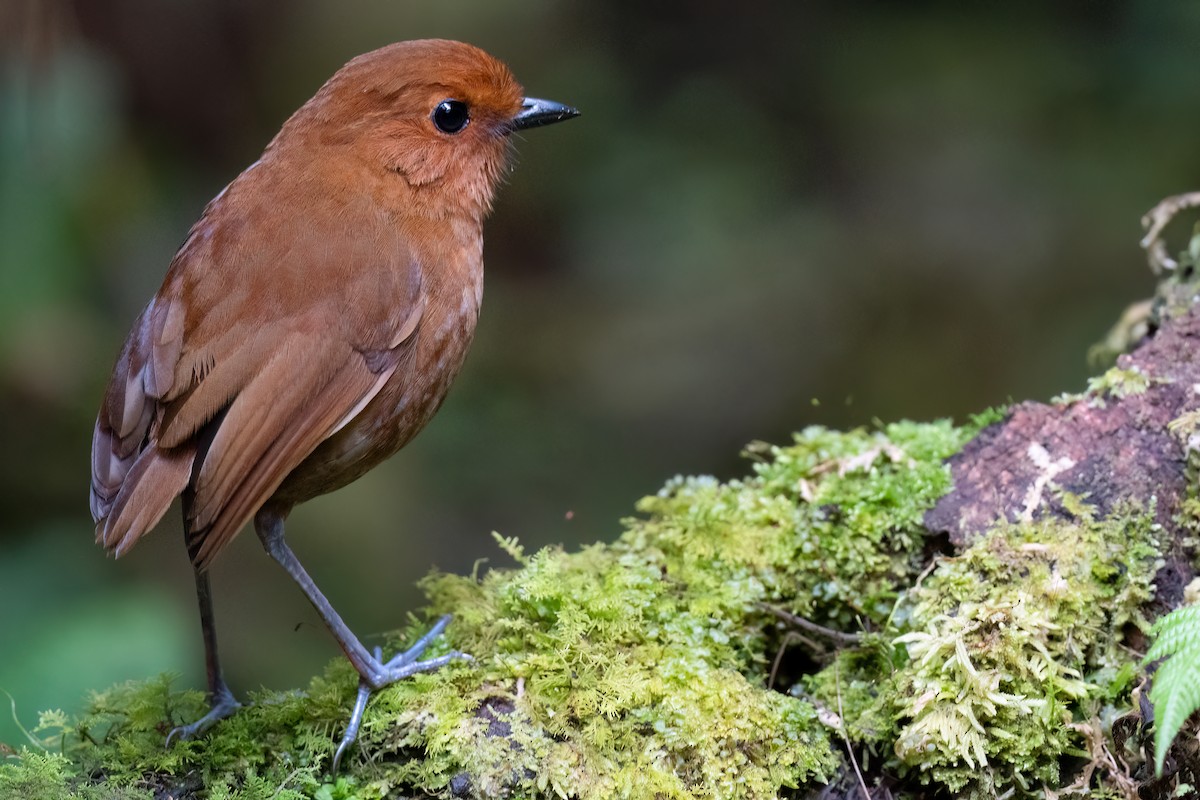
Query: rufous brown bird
<point x="312" y="321"/>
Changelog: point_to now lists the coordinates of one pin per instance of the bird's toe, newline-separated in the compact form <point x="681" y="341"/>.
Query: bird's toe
<point x="224" y="704"/>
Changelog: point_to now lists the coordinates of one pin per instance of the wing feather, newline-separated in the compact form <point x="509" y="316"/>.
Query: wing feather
<point x="212" y="385"/>
<point x="237" y="370"/>
<point x="129" y="407"/>
<point x="241" y="472"/>
<point x="156" y="478"/>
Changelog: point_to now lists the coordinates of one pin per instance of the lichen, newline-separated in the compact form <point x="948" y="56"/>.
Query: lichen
<point x="648" y="667"/>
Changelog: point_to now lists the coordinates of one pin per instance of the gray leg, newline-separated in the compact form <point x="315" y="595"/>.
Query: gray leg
<point x="220" y="698"/>
<point x="374" y="673"/>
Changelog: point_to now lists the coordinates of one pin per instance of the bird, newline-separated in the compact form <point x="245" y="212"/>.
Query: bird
<point x="311" y="324"/>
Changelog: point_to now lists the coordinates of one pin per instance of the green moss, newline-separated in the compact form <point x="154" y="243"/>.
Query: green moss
<point x="1118" y="383"/>
<point x="1004" y="652"/>
<point x="1114" y="383"/>
<point x="854" y="503"/>
<point x="48" y="776"/>
<point x="641" y="668"/>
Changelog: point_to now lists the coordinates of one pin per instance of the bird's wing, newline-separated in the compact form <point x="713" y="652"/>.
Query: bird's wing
<point x="133" y="481"/>
<point x="235" y="373"/>
<point x="302" y="395"/>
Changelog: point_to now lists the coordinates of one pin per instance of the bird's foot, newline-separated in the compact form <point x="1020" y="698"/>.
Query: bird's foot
<point x="380" y="674"/>
<point x="223" y="705"/>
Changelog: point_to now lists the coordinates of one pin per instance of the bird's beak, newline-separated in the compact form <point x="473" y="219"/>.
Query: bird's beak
<point x="536" y="113"/>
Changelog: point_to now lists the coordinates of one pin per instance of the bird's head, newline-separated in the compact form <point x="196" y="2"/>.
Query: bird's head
<point x="434" y="113"/>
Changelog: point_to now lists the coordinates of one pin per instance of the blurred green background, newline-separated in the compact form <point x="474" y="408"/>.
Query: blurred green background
<point x="896" y="209"/>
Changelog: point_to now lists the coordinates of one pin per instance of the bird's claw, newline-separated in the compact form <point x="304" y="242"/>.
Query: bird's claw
<point x="223" y="705"/>
<point x="383" y="674"/>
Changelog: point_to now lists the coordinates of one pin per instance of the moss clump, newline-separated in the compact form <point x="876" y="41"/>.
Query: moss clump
<point x="1005" y="654"/>
<point x="600" y="676"/>
<point x="829" y="527"/>
<point x="1118" y="383"/>
<point x="1114" y="383"/>
<point x="276" y="748"/>
<point x="48" y="776"/>
<point x="642" y="668"/>
<point x="639" y="668"/>
<point x="636" y="669"/>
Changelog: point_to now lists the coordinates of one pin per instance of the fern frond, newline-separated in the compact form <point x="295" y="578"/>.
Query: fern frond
<point x="1177" y="631"/>
<point x="1176" y="690"/>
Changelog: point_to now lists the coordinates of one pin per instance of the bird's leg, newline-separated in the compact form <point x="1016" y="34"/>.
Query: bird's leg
<point x="374" y="673"/>
<point x="221" y="700"/>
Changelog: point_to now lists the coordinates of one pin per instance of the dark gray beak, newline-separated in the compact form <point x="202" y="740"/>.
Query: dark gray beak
<point x="535" y="113"/>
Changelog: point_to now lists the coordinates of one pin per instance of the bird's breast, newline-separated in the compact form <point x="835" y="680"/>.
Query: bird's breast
<point x="418" y="387"/>
<point x="429" y="363"/>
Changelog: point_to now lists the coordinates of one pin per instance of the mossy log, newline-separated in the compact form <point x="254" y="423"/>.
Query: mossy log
<point x="1127" y="440"/>
<point x="920" y="610"/>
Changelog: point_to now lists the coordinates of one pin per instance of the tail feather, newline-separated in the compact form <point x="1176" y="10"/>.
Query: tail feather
<point x="134" y="480"/>
<point x="156" y="478"/>
<point x="109" y="469"/>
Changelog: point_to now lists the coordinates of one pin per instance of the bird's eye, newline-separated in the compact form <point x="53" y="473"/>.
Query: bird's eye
<point x="451" y="116"/>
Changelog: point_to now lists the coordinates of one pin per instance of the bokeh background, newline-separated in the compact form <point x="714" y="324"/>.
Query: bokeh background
<point x="785" y="214"/>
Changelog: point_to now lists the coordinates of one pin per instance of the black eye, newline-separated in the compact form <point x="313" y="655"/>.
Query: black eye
<point x="451" y="116"/>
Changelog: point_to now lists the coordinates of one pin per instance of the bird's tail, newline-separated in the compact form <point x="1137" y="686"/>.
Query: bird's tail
<point x="152" y="483"/>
